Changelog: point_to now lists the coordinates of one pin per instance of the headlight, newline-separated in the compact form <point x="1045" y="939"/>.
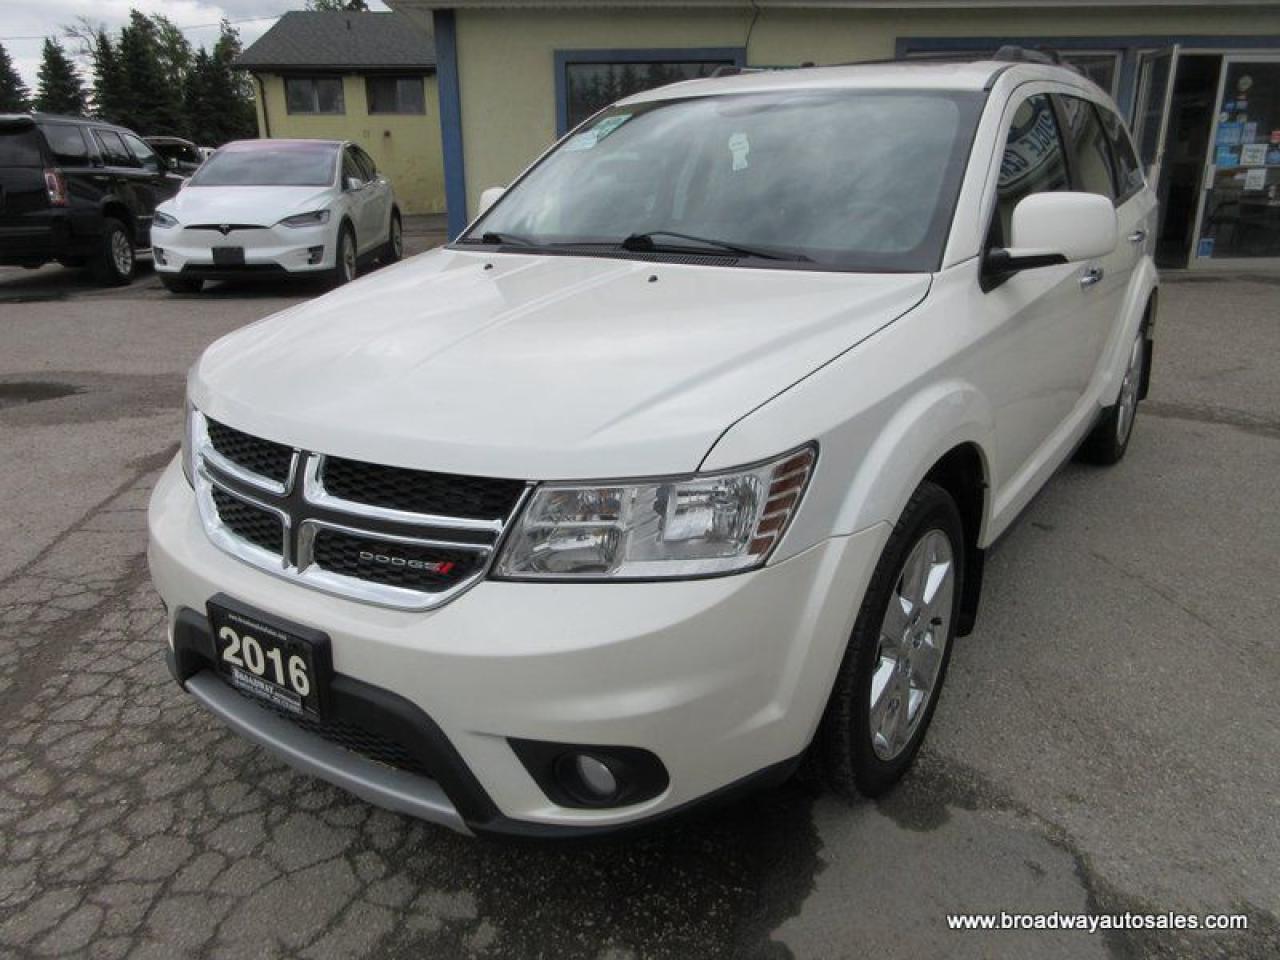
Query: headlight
<point x="159" y="219"/>
<point x="690" y="526"/>
<point x="313" y="219"/>
<point x="188" y="444"/>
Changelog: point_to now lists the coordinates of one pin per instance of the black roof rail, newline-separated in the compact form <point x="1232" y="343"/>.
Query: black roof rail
<point x="1011" y="53"/>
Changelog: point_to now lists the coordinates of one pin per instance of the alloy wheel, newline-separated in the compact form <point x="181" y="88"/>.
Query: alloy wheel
<point x="397" y="237"/>
<point x="1128" y="403"/>
<point x="913" y="639"/>
<point x="348" y="260"/>
<point x="121" y="254"/>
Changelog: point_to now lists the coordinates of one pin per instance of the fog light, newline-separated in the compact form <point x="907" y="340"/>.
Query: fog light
<point x="595" y="776"/>
<point x="158" y="254"/>
<point x="315" y="254"/>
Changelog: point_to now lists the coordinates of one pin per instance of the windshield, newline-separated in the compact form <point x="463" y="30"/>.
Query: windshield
<point x="857" y="180"/>
<point x="269" y="164"/>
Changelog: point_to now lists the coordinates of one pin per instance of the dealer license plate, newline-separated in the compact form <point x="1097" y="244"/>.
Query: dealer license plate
<point x="285" y="664"/>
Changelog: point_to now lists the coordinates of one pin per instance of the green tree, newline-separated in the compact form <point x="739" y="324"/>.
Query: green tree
<point x="14" y="96"/>
<point x="354" y="6"/>
<point x="110" y="85"/>
<point x="60" y="89"/>
<point x="151" y="105"/>
<point x="173" y="49"/>
<point x="218" y="98"/>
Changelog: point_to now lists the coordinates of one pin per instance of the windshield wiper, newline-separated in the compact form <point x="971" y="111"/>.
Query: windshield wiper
<point x="645" y="243"/>
<point x="500" y="239"/>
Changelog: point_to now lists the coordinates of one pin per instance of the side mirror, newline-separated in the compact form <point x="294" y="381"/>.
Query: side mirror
<point x="1056" y="228"/>
<point x="354" y="183"/>
<point x="489" y="197"/>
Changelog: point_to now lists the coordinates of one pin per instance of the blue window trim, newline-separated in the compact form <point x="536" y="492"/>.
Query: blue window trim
<point x="735" y="55"/>
<point x="1127" y="45"/>
<point x="455" y="176"/>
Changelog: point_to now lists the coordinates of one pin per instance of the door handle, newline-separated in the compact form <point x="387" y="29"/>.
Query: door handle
<point x="1137" y="236"/>
<point x="1091" y="276"/>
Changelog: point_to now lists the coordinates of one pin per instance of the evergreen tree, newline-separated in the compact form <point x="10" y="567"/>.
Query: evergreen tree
<point x="110" y="86"/>
<point x="353" y="6"/>
<point x="219" y="99"/>
<point x="173" y="49"/>
<point x="151" y="105"/>
<point x="60" y="89"/>
<point x="14" y="96"/>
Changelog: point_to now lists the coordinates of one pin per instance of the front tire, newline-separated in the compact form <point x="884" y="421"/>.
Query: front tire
<point x="393" y="250"/>
<point x="1107" y="442"/>
<point x="344" y="264"/>
<point x="116" y="260"/>
<point x="896" y="661"/>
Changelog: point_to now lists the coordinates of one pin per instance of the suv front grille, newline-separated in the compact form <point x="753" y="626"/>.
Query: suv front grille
<point x="408" y="566"/>
<point x="267" y="459"/>
<point x="411" y="539"/>
<point x="415" y="491"/>
<point x="260" y="527"/>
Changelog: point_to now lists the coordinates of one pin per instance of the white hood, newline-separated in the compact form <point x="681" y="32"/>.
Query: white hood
<point x="265" y="206"/>
<point x="538" y="367"/>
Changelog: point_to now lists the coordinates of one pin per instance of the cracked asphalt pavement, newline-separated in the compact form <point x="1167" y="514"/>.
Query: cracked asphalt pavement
<point x="1107" y="741"/>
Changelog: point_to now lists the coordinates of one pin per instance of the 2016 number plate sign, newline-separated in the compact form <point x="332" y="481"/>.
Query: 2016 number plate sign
<point x="283" y="663"/>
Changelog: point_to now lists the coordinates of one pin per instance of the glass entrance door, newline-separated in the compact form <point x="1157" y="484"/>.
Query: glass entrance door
<point x="1156" y="72"/>
<point x="1239" y="219"/>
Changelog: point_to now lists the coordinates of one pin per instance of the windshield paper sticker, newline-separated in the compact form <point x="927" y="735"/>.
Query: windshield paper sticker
<point x="589" y="138"/>
<point x="739" y="146"/>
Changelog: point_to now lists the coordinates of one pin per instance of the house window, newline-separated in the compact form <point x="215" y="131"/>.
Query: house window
<point x="314" y="94"/>
<point x="395" y="95"/>
<point x="590" y="80"/>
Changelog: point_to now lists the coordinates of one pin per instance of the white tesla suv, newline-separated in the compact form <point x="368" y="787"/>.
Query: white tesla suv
<point x="679" y="464"/>
<point x="277" y="207"/>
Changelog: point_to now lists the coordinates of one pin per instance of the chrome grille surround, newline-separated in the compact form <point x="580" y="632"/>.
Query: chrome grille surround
<point x="304" y="508"/>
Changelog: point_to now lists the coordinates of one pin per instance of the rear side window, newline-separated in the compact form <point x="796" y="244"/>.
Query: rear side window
<point x="1033" y="162"/>
<point x="1090" y="148"/>
<point x="66" y="143"/>
<point x="114" y="152"/>
<point x="367" y="167"/>
<point x="1129" y="178"/>
<point x="350" y="168"/>
<point x="20" y="147"/>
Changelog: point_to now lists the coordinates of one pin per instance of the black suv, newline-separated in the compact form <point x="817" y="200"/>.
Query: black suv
<point x="78" y="191"/>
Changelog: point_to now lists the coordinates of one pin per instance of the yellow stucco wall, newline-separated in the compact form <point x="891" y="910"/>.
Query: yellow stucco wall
<point x="506" y="58"/>
<point x="406" y="147"/>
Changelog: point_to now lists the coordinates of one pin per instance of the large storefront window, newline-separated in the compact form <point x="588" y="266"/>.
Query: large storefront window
<point x="1241" y="216"/>
<point x="591" y="85"/>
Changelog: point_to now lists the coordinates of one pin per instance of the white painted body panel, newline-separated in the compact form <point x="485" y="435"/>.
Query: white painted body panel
<point x="573" y="368"/>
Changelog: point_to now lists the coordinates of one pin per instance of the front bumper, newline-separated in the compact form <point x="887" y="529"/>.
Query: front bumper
<point x="188" y="251"/>
<point x="719" y="678"/>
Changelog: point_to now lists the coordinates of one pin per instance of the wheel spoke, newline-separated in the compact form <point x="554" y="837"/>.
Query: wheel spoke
<point x="897" y="617"/>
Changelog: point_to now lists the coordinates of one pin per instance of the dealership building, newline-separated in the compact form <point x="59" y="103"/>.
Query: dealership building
<point x="1200" y="82"/>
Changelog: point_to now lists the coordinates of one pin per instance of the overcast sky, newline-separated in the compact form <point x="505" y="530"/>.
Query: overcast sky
<point x="24" y="23"/>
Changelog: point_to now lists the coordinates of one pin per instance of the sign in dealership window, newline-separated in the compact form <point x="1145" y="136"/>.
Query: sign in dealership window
<point x="314" y="95"/>
<point x="592" y="86"/>
<point x="395" y="95"/>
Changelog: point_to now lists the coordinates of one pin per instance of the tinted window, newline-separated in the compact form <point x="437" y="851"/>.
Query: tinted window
<point x="1033" y="162"/>
<point x="350" y="169"/>
<point x="851" y="180"/>
<point x="269" y="163"/>
<point x="66" y="143"/>
<point x="314" y="95"/>
<point x="1128" y="173"/>
<point x="141" y="152"/>
<point x="20" y="147"/>
<point x="368" y="169"/>
<point x="395" y="95"/>
<point x="1090" y="151"/>
<point x="114" y="152"/>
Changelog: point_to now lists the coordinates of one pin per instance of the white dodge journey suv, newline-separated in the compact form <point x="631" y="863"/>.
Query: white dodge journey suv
<point x="677" y="467"/>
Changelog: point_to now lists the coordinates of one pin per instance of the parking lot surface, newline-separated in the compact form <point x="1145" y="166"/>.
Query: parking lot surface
<point x="1107" y="741"/>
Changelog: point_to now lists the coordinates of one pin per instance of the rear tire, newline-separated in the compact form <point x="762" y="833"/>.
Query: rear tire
<point x="1107" y="442"/>
<point x="116" y="260"/>
<point x="344" y="262"/>
<point x="896" y="661"/>
<point x="181" y="284"/>
<point x="393" y="249"/>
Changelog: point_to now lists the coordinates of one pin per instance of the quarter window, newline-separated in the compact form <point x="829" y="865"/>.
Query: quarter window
<point x="368" y="169"/>
<point x="1090" y="151"/>
<point x="314" y="95"/>
<point x="67" y="144"/>
<point x="395" y="95"/>
<point x="1128" y="172"/>
<point x="1033" y="162"/>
